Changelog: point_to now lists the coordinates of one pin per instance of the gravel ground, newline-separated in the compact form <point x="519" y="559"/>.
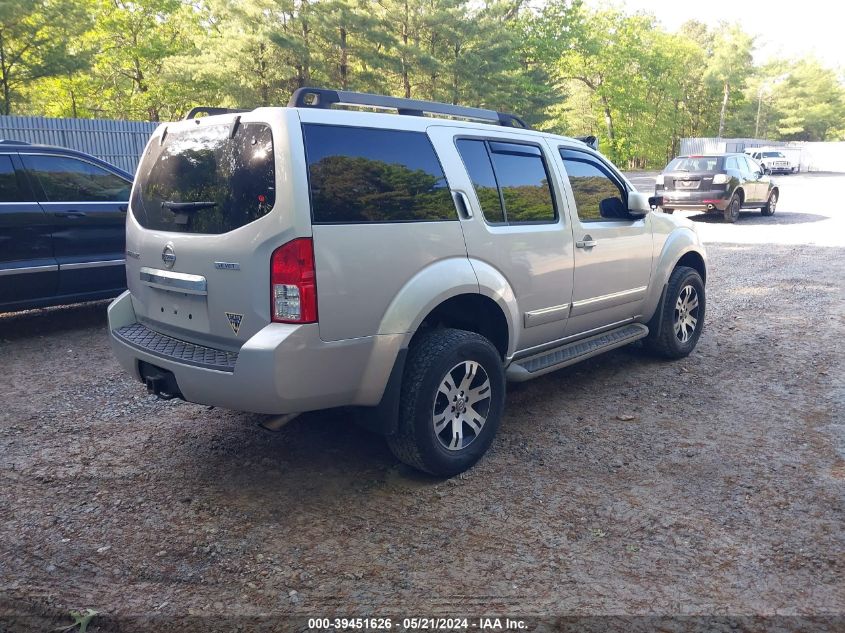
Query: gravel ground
<point x="623" y="486"/>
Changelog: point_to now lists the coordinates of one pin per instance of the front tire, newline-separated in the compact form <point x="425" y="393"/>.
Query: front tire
<point x="669" y="211"/>
<point x="771" y="204"/>
<point x="451" y="402"/>
<point x="677" y="323"/>
<point x="732" y="210"/>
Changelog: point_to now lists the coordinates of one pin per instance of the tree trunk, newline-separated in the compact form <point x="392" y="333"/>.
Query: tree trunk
<point x="344" y="60"/>
<point x="4" y="78"/>
<point x="455" y="79"/>
<point x="724" y="109"/>
<point x="608" y="120"/>
<point x="406" y="80"/>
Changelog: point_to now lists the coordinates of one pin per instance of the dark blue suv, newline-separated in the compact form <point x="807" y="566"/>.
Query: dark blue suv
<point x="62" y="218"/>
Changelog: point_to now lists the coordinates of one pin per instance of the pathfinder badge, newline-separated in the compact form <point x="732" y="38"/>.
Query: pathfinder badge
<point x="235" y="321"/>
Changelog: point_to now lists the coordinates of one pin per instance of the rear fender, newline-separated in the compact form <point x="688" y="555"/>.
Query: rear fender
<point x="441" y="281"/>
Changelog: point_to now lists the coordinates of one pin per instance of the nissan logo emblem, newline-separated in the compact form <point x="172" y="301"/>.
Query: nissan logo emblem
<point x="168" y="256"/>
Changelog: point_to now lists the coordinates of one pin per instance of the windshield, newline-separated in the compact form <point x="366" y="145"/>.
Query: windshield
<point x="695" y="163"/>
<point x="773" y="155"/>
<point x="208" y="179"/>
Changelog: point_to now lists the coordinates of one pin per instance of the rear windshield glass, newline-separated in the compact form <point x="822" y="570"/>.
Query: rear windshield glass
<point x="773" y="155"/>
<point x="696" y="163"/>
<point x="206" y="179"/>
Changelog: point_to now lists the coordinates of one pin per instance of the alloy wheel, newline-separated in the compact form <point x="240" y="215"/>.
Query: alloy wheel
<point x="461" y="405"/>
<point x="686" y="313"/>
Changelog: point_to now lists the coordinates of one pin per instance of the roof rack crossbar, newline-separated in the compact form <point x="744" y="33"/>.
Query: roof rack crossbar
<point x="324" y="98"/>
<point x="210" y="111"/>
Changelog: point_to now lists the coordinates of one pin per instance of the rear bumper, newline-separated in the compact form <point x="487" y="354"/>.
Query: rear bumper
<point x="282" y="369"/>
<point x="695" y="200"/>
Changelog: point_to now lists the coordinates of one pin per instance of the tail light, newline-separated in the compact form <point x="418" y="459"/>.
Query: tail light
<point x="720" y="179"/>
<point x="293" y="283"/>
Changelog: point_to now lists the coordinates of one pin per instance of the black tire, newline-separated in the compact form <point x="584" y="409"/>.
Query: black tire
<point x="771" y="204"/>
<point x="438" y="354"/>
<point x="663" y="338"/>
<point x="669" y="211"/>
<point x="731" y="213"/>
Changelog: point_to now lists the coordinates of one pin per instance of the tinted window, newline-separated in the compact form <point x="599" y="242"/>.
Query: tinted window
<point x="597" y="196"/>
<point x="731" y="163"/>
<point x="746" y="164"/>
<point x="524" y="182"/>
<point x="66" y="179"/>
<point x="773" y="155"/>
<point x="369" y="175"/>
<point x="477" y="161"/>
<point x="10" y="187"/>
<point x="695" y="163"/>
<point x="233" y="171"/>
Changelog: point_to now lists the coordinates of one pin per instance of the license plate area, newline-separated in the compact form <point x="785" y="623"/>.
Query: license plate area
<point x="687" y="184"/>
<point x="178" y="309"/>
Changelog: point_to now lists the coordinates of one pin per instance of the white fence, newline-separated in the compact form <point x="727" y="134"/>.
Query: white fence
<point x="827" y="156"/>
<point x="117" y="142"/>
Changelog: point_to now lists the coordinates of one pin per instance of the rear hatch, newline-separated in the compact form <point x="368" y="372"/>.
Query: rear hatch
<point x="208" y="207"/>
<point x="693" y="173"/>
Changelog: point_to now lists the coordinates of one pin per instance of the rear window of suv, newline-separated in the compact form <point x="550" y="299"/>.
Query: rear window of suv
<point x="227" y="173"/>
<point x="360" y="175"/>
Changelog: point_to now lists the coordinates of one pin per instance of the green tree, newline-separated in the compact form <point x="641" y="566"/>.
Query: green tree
<point x="729" y="65"/>
<point x="36" y="42"/>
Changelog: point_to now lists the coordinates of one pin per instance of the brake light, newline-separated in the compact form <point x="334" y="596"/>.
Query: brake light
<point x="720" y="179"/>
<point x="293" y="283"/>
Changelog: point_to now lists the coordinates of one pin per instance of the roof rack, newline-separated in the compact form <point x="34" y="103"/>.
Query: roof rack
<point x="323" y="98"/>
<point x="210" y="111"/>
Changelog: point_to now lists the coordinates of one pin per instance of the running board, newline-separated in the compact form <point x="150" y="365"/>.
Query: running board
<point x="571" y="353"/>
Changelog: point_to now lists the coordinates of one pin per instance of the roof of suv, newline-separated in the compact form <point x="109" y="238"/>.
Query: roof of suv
<point x="22" y="147"/>
<point x="415" y="114"/>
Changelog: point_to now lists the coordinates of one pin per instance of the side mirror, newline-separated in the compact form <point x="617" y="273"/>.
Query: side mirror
<point x="767" y="171"/>
<point x="639" y="204"/>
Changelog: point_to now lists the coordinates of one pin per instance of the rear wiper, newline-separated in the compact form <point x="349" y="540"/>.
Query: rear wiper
<point x="178" y="207"/>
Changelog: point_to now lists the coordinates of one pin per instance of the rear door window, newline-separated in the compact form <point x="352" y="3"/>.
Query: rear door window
<point x="11" y="189"/>
<point x="511" y="181"/>
<point x="359" y="175"/>
<point x="480" y="169"/>
<point x="66" y="179"/>
<point x="206" y="179"/>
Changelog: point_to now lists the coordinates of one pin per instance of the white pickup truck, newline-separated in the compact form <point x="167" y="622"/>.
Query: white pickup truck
<point x="774" y="160"/>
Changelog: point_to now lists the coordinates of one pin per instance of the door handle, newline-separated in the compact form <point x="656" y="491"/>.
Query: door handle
<point x="587" y="242"/>
<point x="69" y="214"/>
<point x="463" y="203"/>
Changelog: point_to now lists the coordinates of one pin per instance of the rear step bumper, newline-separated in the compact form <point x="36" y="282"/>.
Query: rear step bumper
<point x="282" y="369"/>
<point x="571" y="353"/>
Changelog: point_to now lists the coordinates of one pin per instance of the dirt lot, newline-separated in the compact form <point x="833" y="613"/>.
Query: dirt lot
<point x="722" y="496"/>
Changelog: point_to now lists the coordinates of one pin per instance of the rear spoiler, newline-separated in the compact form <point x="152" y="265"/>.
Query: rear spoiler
<point x="589" y="141"/>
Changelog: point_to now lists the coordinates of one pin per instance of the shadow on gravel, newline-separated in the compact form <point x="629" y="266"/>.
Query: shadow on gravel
<point x="323" y="459"/>
<point x="49" y="321"/>
<point x="753" y="218"/>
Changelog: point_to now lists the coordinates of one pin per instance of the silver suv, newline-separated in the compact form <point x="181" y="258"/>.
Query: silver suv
<point x="291" y="259"/>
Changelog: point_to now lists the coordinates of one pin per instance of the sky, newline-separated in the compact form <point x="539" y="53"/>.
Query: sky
<point x="794" y="29"/>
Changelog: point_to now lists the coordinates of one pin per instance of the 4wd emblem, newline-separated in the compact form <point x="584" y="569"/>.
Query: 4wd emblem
<point x="235" y="321"/>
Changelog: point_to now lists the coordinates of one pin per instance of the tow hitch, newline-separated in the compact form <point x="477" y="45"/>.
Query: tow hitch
<point x="160" y="382"/>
